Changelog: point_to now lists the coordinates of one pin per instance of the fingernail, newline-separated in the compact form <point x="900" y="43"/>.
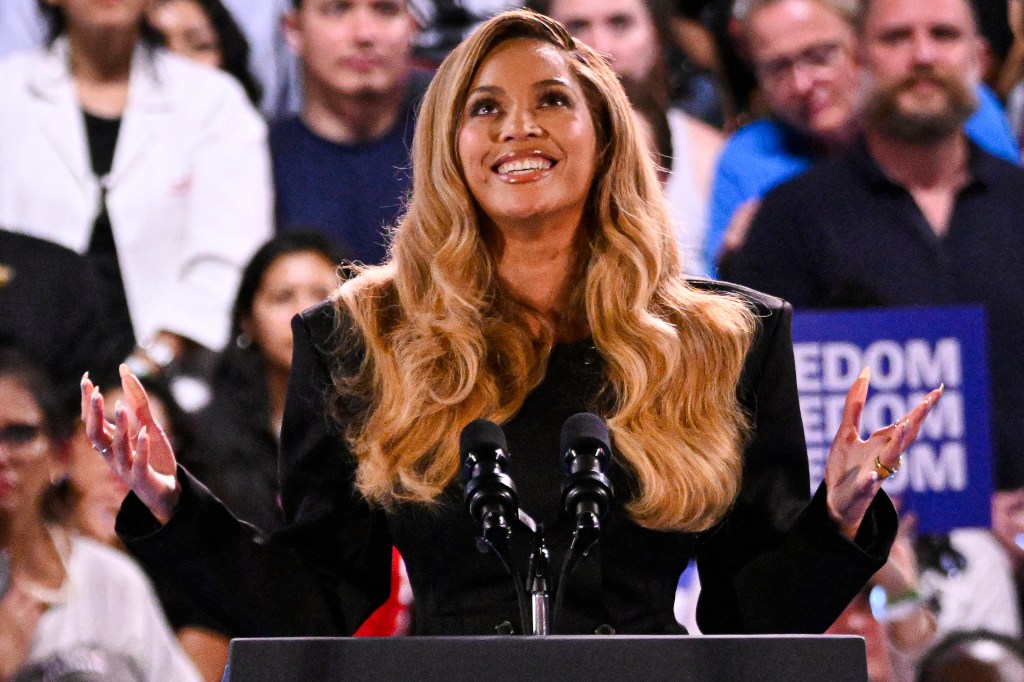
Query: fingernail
<point x="865" y="374"/>
<point x="85" y="378"/>
<point x="95" y="394"/>
<point x="123" y="370"/>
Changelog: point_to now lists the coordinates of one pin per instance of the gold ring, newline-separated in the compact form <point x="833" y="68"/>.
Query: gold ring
<point x="885" y="472"/>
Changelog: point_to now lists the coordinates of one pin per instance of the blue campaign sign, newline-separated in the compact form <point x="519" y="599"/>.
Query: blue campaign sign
<point x="946" y="480"/>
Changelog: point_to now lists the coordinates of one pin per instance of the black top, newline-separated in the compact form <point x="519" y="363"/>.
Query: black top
<point x="50" y="307"/>
<point x="101" y="134"/>
<point x="775" y="564"/>
<point x="844" y="235"/>
<point x="235" y="453"/>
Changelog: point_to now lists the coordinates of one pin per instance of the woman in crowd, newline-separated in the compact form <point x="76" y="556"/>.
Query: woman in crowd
<point x="237" y="435"/>
<point x="534" y="276"/>
<point x="635" y="37"/>
<point x="155" y="167"/>
<point x="205" y="31"/>
<point x="65" y="591"/>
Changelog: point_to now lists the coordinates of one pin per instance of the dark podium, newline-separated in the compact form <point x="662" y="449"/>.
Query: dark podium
<point x="496" y="659"/>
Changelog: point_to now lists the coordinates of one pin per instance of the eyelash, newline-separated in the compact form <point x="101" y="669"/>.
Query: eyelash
<point x="476" y="106"/>
<point x="548" y="98"/>
<point x="555" y="97"/>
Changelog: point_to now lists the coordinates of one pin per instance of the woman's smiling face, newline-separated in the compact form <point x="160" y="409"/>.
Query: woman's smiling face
<point x="527" y="142"/>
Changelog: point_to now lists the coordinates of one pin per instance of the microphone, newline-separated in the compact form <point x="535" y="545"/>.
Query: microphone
<point x="587" y="491"/>
<point x="491" y="497"/>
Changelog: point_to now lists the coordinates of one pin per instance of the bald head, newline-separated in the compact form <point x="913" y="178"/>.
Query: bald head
<point x="847" y="10"/>
<point x="802" y="52"/>
<point x="864" y="9"/>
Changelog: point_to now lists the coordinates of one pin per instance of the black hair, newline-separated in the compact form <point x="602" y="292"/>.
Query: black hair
<point x="234" y="48"/>
<point x="58" y="421"/>
<point x="57" y="24"/>
<point x="282" y="244"/>
<point x="16" y="364"/>
<point x="957" y="646"/>
<point x="646" y="104"/>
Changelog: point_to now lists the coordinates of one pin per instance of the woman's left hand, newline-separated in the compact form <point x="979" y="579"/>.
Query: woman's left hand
<point x="856" y="467"/>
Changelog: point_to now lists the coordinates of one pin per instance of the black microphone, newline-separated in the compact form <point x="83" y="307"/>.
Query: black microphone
<point x="587" y="491"/>
<point x="491" y="497"/>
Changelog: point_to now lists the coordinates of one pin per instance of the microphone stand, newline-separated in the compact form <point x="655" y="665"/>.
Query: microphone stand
<point x="499" y="546"/>
<point x="540" y="587"/>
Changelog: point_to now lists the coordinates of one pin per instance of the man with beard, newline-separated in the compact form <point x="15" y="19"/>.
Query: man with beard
<point x="342" y="166"/>
<point x="914" y="213"/>
<point x="803" y="52"/>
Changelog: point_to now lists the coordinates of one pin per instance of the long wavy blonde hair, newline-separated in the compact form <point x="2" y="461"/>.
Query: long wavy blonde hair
<point x="446" y="343"/>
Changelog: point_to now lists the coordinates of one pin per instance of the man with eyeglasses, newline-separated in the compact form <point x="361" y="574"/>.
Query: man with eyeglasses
<point x="803" y="52"/>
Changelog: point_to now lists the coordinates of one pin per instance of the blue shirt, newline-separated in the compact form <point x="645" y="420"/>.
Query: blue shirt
<point x="352" y="193"/>
<point x="767" y="152"/>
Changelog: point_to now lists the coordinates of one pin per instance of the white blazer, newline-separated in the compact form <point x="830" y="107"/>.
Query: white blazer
<point x="189" y="194"/>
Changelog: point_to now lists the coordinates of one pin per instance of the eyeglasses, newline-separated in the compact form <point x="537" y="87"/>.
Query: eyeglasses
<point x="815" y="57"/>
<point x="21" y="442"/>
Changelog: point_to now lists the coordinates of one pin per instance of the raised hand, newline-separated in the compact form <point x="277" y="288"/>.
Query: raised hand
<point x="134" y="445"/>
<point x="856" y="467"/>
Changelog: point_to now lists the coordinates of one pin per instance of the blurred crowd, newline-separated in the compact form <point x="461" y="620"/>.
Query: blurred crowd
<point x="178" y="178"/>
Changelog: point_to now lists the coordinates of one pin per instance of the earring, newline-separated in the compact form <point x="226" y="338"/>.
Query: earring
<point x="243" y="341"/>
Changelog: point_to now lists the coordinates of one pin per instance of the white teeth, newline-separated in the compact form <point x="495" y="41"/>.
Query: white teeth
<point x="521" y="165"/>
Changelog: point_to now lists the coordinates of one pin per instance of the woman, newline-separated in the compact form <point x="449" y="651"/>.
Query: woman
<point x="205" y="31"/>
<point x="153" y="166"/>
<point x="67" y="592"/>
<point x="533" y="276"/>
<point x="237" y="438"/>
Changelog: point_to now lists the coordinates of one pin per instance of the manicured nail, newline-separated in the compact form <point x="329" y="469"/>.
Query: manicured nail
<point x="95" y="394"/>
<point x="865" y="373"/>
<point x="123" y="370"/>
<point x="85" y="378"/>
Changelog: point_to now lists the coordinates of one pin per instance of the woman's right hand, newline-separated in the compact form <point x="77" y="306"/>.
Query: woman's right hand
<point x="134" y="445"/>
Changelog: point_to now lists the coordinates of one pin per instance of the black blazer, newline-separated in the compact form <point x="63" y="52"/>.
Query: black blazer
<point x="775" y="564"/>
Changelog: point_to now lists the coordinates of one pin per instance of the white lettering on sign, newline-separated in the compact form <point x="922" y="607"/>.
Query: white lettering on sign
<point x="902" y="373"/>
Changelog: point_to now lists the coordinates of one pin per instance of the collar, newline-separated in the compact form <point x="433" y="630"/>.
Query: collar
<point x="983" y="169"/>
<point x="795" y="142"/>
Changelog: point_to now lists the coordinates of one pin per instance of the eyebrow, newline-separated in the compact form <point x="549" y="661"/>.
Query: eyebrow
<point x="539" y="85"/>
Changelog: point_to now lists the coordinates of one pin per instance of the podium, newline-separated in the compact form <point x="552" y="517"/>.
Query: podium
<point x="767" y="658"/>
